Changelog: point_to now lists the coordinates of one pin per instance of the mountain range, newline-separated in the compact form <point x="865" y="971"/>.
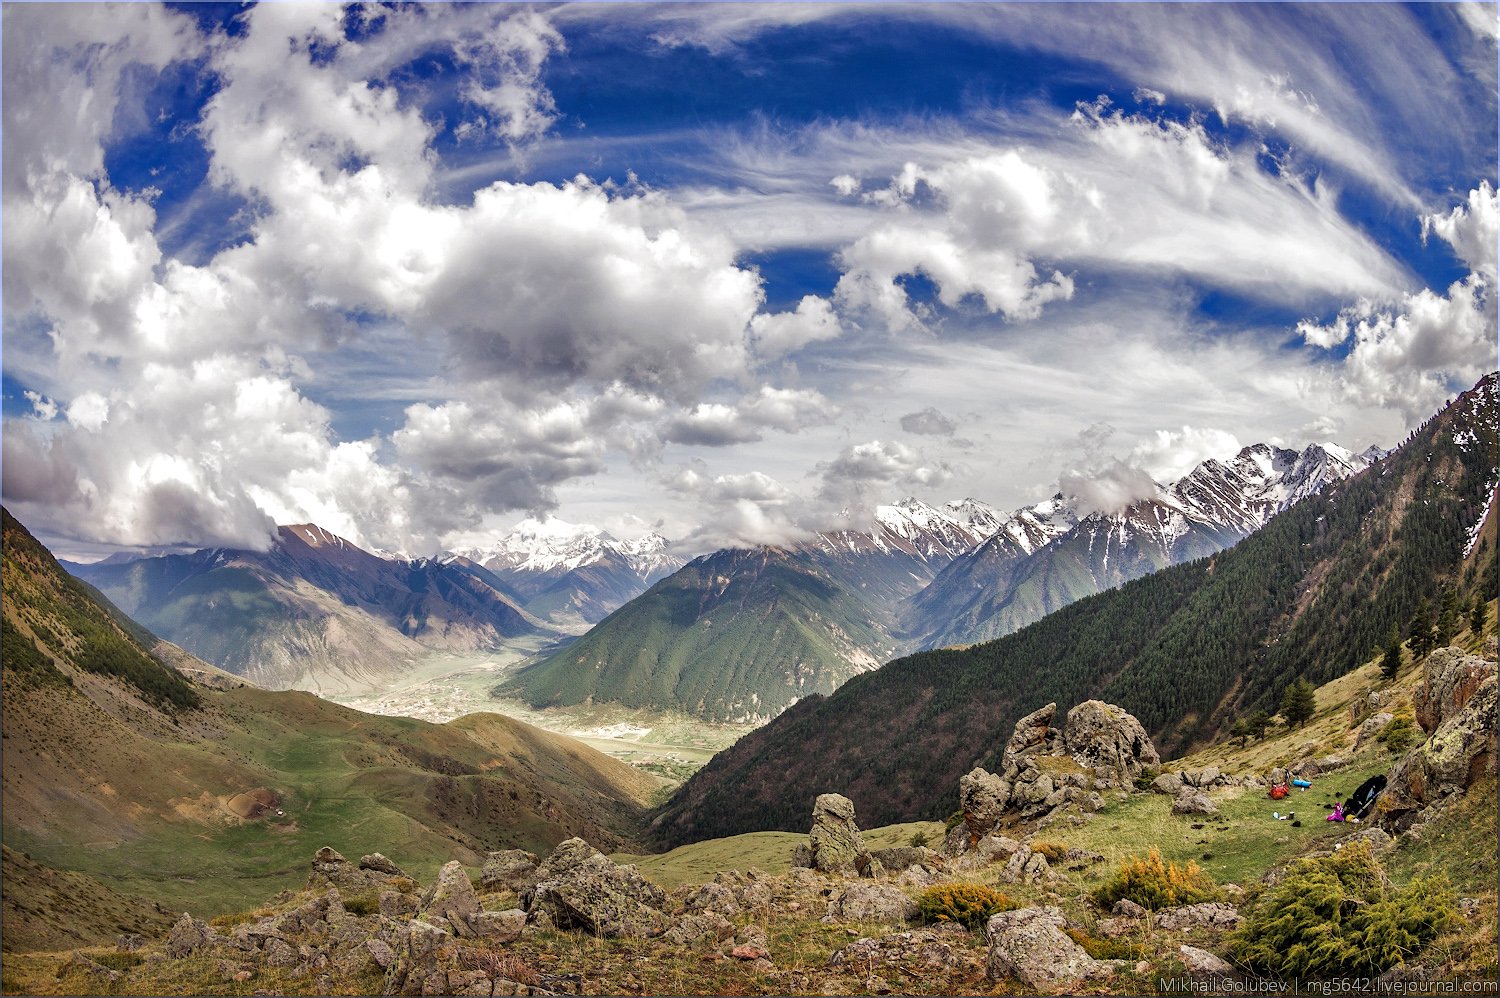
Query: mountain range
<point x="1319" y="588"/>
<point x="741" y="635"/>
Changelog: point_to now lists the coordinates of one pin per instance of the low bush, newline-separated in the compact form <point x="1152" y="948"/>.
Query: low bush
<point x="1151" y="883"/>
<point x="1401" y="734"/>
<point x="918" y="839"/>
<point x="1054" y="851"/>
<point x="1108" y="949"/>
<point x="1338" y="916"/>
<point x="969" y="905"/>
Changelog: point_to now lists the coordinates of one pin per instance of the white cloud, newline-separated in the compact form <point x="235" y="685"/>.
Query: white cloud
<point x="928" y="422"/>
<point x="776" y="334"/>
<point x="1109" y="489"/>
<point x="506" y="66"/>
<point x="1168" y="455"/>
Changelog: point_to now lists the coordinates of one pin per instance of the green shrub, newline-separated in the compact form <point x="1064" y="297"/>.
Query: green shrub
<point x="918" y="839"/>
<point x="1151" y="883"/>
<point x="1338" y="915"/>
<point x="363" y="903"/>
<point x="1108" y="949"/>
<point x="970" y="905"/>
<point x="1401" y="734"/>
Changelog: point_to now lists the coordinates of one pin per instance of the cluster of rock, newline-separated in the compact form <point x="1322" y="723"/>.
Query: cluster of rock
<point x="1099" y="747"/>
<point x="1455" y="706"/>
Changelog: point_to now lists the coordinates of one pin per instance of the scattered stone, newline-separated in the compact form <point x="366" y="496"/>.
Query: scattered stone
<point x="451" y="900"/>
<point x="376" y="863"/>
<point x="1372" y="727"/>
<point x="1029" y="944"/>
<point x="700" y="929"/>
<point x="1201" y="963"/>
<point x="1195" y="802"/>
<point x="904" y="857"/>
<point x="1129" y="909"/>
<point x="188" y="935"/>
<point x="577" y="887"/>
<point x="1169" y="784"/>
<point x="1027" y="867"/>
<point x="1209" y="914"/>
<point x="714" y="897"/>
<point x="129" y="942"/>
<point x="380" y="952"/>
<point x="1376" y="836"/>
<point x="509" y="870"/>
<point x="872" y="903"/>
<point x="499" y="926"/>
<point x="918" y="951"/>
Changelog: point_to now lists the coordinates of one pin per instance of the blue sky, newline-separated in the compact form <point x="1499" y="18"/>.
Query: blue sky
<point x="417" y="272"/>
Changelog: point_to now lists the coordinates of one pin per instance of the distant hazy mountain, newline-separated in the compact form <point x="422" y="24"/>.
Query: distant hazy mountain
<point x="573" y="574"/>
<point x="313" y="612"/>
<point x="1045" y="557"/>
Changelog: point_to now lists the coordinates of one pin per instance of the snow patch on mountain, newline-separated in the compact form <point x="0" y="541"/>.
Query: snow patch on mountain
<point x="553" y="546"/>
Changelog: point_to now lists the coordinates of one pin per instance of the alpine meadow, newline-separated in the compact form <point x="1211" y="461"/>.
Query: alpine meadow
<point x="749" y="498"/>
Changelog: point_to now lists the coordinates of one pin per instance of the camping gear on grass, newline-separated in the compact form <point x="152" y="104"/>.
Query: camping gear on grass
<point x="1338" y="813"/>
<point x="1359" y="805"/>
<point x="1279" y="791"/>
<point x="1301" y="783"/>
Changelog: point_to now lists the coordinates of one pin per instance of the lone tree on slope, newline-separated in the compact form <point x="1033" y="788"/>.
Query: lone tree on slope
<point x="1298" y="703"/>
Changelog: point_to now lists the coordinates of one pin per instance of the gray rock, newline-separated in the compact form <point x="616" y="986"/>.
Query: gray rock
<point x="902" y="857"/>
<point x="983" y="797"/>
<point x="280" y="953"/>
<point x="499" y="926"/>
<point x="1194" y="802"/>
<point x="995" y="848"/>
<point x="1027" y="867"/>
<point x="1033" y="734"/>
<point x="577" y="887"/>
<point x="1460" y="752"/>
<point x="699" y="929"/>
<point x="1372" y="727"/>
<point x="188" y="935"/>
<point x="1450" y="676"/>
<point x="376" y="863"/>
<point x="917" y="952"/>
<point x="509" y="870"/>
<point x="130" y="942"/>
<point x="1029" y="945"/>
<point x="1169" y="784"/>
<point x="395" y="904"/>
<point x="834" y="841"/>
<point x="1128" y="909"/>
<point x="714" y="897"/>
<point x="872" y="903"/>
<point x="1201" y="963"/>
<point x="380" y="952"/>
<point x="1103" y="737"/>
<point x="451" y="900"/>
<point x="1209" y="914"/>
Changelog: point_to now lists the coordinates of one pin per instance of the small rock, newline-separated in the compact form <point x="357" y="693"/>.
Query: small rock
<point x="748" y="951"/>
<point x="499" y="926"/>
<point x="129" y="942"/>
<point x="873" y="903"/>
<point x="1202" y="963"/>
<point x="188" y="935"/>
<point x="1194" y="803"/>
<point x="379" y="864"/>
<point x="1128" y="909"/>
<point x="380" y="952"/>
<point x="1211" y="914"/>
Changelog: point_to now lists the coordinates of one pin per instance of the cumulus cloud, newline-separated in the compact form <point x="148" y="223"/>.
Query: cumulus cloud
<point x="1413" y="356"/>
<point x="1109" y="489"/>
<point x="928" y="422"/>
<point x="505" y="64"/>
<point x="776" y="334"/>
<point x="1170" y="454"/>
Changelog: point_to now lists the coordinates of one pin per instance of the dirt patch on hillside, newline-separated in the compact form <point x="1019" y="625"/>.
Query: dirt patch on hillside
<point x="253" y="804"/>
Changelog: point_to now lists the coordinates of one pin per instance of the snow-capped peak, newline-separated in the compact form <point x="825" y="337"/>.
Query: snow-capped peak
<point x="555" y="546"/>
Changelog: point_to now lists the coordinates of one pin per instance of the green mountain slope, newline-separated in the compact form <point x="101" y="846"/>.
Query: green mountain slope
<point x="1313" y="593"/>
<point x="119" y="771"/>
<point x="733" y="636"/>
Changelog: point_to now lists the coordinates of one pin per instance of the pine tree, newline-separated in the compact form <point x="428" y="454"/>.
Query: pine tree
<point x="1478" y="615"/>
<point x="1447" y="622"/>
<point x="1298" y="703"/>
<point x="1241" y="730"/>
<point x="1257" y="723"/>
<point x="1419" y="631"/>
<point x="1391" y="664"/>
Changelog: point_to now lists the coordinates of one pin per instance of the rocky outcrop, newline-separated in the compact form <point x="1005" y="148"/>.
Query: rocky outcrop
<point x="1194" y="802"/>
<point x="1371" y="728"/>
<point x="451" y="902"/>
<point x="872" y="903"/>
<point x="188" y="936"/>
<point x="1207" y="915"/>
<point x="1110" y="741"/>
<point x="1099" y="747"/>
<point x="509" y="870"/>
<point x="916" y="952"/>
<point x="835" y="845"/>
<point x="579" y="888"/>
<point x="1450" y="676"/>
<point x="1029" y="945"/>
<point x="1461" y="751"/>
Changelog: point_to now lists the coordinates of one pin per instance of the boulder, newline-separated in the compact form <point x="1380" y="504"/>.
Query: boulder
<point x="188" y="935"/>
<point x="872" y="903"/>
<point x="1109" y="740"/>
<point x="577" y="887"/>
<point x="1033" y="734"/>
<point x="499" y="926"/>
<point x="699" y="929"/>
<point x="1201" y="963"/>
<point x="451" y="900"/>
<point x="1450" y="676"/>
<point x="1460" y="752"/>
<point x="508" y="870"/>
<point x="1027" y="867"/>
<point x="1029" y="945"/>
<point x="983" y="798"/>
<point x="1201" y="778"/>
<point x="1168" y="783"/>
<point x="1372" y="727"/>
<point x="1194" y="802"/>
<point x="903" y="857"/>
<point x="376" y="863"/>
<point x="1209" y="914"/>
<point x="1127" y="908"/>
<point x="916" y="952"/>
<point x="714" y="897"/>
<point x="834" y="843"/>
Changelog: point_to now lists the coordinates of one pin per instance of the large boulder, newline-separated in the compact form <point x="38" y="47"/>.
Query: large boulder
<point x="188" y="935"/>
<point x="1109" y="740"/>
<point x="1029" y="945"/>
<point x="578" y="887"/>
<point x="872" y="903"/>
<point x="1033" y="734"/>
<point x="1168" y="783"/>
<point x="1459" y="753"/>
<point x="451" y="900"/>
<point x="1194" y="802"/>
<point x="834" y="845"/>
<point x="983" y="798"/>
<point x="1371" y="728"/>
<point x="1450" y="676"/>
<point x="509" y="870"/>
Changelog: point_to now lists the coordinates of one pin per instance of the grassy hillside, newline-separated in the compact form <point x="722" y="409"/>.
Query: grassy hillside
<point x="119" y="772"/>
<point x="730" y="637"/>
<point x="1313" y="593"/>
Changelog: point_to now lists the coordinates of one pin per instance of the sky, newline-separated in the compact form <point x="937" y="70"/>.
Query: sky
<point x="731" y="272"/>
